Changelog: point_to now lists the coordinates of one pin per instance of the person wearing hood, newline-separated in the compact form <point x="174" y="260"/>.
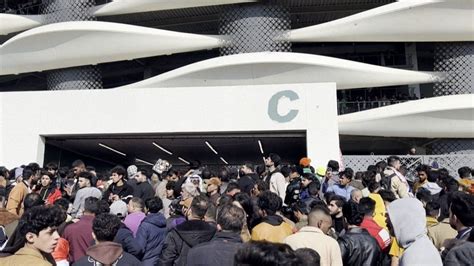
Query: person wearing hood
<point x="106" y="252"/>
<point x="188" y="234"/>
<point x="407" y="222"/>
<point x="272" y="228"/>
<point x="152" y="232"/>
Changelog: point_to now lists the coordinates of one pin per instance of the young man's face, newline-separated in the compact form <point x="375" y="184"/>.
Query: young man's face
<point x="52" y="171"/>
<point x="333" y="208"/>
<point x="344" y="180"/>
<point x="45" y="181"/>
<point x="83" y="182"/>
<point x="305" y="182"/>
<point x="268" y="162"/>
<point x="140" y="177"/>
<point x="116" y="177"/>
<point x="397" y="165"/>
<point x="172" y="177"/>
<point x="422" y="176"/>
<point x="45" y="241"/>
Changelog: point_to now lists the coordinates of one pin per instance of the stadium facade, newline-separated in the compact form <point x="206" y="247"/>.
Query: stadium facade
<point x="402" y="72"/>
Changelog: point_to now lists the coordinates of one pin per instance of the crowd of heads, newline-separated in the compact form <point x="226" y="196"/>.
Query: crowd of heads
<point x="249" y="201"/>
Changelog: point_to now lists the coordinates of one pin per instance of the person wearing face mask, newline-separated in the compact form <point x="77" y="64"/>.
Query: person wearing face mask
<point x="314" y="236"/>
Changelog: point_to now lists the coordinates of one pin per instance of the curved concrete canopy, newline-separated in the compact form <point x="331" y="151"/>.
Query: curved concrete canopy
<point x="439" y="117"/>
<point x="284" y="68"/>
<point x="69" y="44"/>
<point x="13" y="23"/>
<point x="120" y="7"/>
<point x="10" y="23"/>
<point x="406" y="20"/>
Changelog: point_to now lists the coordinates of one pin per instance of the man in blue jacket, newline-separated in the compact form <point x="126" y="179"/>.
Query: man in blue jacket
<point x="152" y="232"/>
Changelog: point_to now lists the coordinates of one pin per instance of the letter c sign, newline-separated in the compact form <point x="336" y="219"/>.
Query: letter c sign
<point x="273" y="106"/>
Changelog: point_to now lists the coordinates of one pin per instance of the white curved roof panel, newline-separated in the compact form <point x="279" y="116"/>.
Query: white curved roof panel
<point x="69" y="44"/>
<point x="439" y="117"/>
<point x="284" y="68"/>
<point x="119" y="7"/>
<point x="13" y="23"/>
<point x="403" y="21"/>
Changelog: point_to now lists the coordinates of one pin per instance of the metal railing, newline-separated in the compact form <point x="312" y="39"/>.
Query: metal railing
<point x="356" y="106"/>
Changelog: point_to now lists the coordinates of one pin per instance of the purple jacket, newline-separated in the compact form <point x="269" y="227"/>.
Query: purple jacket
<point x="133" y="220"/>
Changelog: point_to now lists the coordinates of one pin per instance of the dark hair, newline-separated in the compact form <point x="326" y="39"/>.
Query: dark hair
<point x="285" y="171"/>
<point x="62" y="203"/>
<point x="314" y="187"/>
<point x="4" y="172"/>
<point x="90" y="168"/>
<point x="276" y="159"/>
<point x="32" y="200"/>
<point x="102" y="207"/>
<point x="78" y="163"/>
<point x="367" y="206"/>
<point x="387" y="195"/>
<point x="39" y="218"/>
<point x="249" y="165"/>
<point x="46" y="173"/>
<point x="231" y="186"/>
<point x="462" y="205"/>
<point x="352" y="213"/>
<point x="432" y="176"/>
<point x="145" y="172"/>
<point x="423" y="168"/>
<point x="27" y="173"/>
<point x="33" y="167"/>
<point x="154" y="205"/>
<point x="392" y="159"/>
<point x="334" y="165"/>
<point x="90" y="205"/>
<point x="381" y="166"/>
<point x="308" y="257"/>
<point x="372" y="168"/>
<point x="348" y="173"/>
<point x="369" y="181"/>
<point x="199" y="206"/>
<point x="269" y="202"/>
<point x="223" y="174"/>
<point x="262" y="185"/>
<point x="52" y="166"/>
<point x="432" y="208"/>
<point x="301" y="207"/>
<point x="119" y="170"/>
<point x="449" y="184"/>
<point x="230" y="218"/>
<point x="266" y="254"/>
<point x="105" y="226"/>
<point x="464" y="172"/>
<point x="339" y="201"/>
<point x="206" y="173"/>
<point x="85" y="175"/>
<point x="423" y="195"/>
<point x="246" y="202"/>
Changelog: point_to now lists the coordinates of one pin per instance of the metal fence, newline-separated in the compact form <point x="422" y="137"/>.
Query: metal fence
<point x="450" y="162"/>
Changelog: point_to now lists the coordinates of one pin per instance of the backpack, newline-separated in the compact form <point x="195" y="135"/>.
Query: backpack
<point x="386" y="181"/>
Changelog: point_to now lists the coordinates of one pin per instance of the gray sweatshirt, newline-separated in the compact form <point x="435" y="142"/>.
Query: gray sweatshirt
<point x="408" y="220"/>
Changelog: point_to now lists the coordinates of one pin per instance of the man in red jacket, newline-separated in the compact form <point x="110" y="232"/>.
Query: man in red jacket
<point x="367" y="206"/>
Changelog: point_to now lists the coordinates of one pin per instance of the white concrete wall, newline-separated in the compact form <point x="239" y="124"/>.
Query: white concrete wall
<point x="28" y="117"/>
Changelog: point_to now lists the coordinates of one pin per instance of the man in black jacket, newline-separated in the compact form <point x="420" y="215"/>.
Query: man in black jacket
<point x="220" y="251"/>
<point x="188" y="234"/>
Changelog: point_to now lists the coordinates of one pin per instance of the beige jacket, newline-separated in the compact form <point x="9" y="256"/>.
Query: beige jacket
<point x="16" y="198"/>
<point x="313" y="238"/>
<point x="25" y="256"/>
<point x="398" y="183"/>
<point x="441" y="231"/>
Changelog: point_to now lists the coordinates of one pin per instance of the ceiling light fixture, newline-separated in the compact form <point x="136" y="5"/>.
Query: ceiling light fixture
<point x="210" y="147"/>
<point x="183" y="160"/>
<point x="163" y="149"/>
<point x="112" y="149"/>
<point x="222" y="159"/>
<point x="143" y="161"/>
<point x="261" y="147"/>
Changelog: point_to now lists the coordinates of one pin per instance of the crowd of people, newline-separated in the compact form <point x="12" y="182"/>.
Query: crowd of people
<point x="269" y="214"/>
